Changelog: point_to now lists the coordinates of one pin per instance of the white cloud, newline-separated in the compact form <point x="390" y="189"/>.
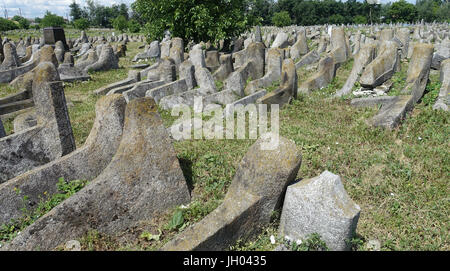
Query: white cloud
<point x="37" y="8"/>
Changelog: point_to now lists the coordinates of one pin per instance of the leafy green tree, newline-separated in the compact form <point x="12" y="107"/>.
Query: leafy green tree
<point x="81" y="24"/>
<point x="197" y="20"/>
<point x="336" y="19"/>
<point x="134" y="26"/>
<point x="6" y="25"/>
<point x="120" y="23"/>
<point x="359" y="19"/>
<point x="402" y="11"/>
<point x="23" y="23"/>
<point x="262" y="9"/>
<point x="75" y="11"/>
<point x="281" y="18"/>
<point x="51" y="19"/>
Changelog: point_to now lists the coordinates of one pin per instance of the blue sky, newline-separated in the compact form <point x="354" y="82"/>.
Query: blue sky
<point x="37" y="8"/>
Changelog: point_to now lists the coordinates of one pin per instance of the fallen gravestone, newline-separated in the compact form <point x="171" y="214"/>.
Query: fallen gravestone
<point x="253" y="195"/>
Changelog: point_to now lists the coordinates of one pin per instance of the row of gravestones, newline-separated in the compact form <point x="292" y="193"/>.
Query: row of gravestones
<point x="381" y="53"/>
<point x="123" y="192"/>
<point x="101" y="57"/>
<point x="251" y="205"/>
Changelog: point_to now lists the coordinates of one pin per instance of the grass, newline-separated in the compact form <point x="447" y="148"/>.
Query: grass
<point x="399" y="178"/>
<point x="12" y="229"/>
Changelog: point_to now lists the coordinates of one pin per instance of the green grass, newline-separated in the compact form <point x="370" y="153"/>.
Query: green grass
<point x="10" y="230"/>
<point x="399" y="178"/>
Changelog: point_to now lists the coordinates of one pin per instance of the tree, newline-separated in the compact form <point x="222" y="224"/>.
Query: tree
<point x="51" y="19"/>
<point x="262" y="9"/>
<point x="23" y="23"/>
<point x="6" y="25"/>
<point x="75" y="11"/>
<point x="336" y="19"/>
<point x="281" y="18"/>
<point x="134" y="26"/>
<point x="358" y="19"/>
<point x="120" y="23"/>
<point x="81" y="24"/>
<point x="402" y="11"/>
<point x="196" y="20"/>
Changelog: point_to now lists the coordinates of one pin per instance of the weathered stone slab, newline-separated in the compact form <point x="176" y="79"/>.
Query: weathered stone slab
<point x="85" y="163"/>
<point x="249" y="99"/>
<point x="53" y="35"/>
<point x="391" y="114"/>
<point x="226" y="67"/>
<point x="443" y="100"/>
<point x="281" y="41"/>
<point x="133" y="77"/>
<point x="288" y="88"/>
<point x="442" y="53"/>
<point x="254" y="194"/>
<point x="418" y="71"/>
<point x="339" y="46"/>
<point x="25" y="121"/>
<point x="106" y="61"/>
<point x="16" y="106"/>
<point x="300" y="47"/>
<point x="320" y="205"/>
<point x="382" y="67"/>
<point x="274" y="63"/>
<point x="143" y="179"/>
<point x="363" y="58"/>
<point x="50" y="139"/>
<point x="158" y="93"/>
<point x="140" y="88"/>
<point x="307" y="59"/>
<point x="372" y="101"/>
<point x="324" y="75"/>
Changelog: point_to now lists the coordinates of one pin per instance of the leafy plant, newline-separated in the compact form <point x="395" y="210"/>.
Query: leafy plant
<point x="177" y="220"/>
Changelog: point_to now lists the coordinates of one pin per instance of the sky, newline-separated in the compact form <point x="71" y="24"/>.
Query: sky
<point x="37" y="8"/>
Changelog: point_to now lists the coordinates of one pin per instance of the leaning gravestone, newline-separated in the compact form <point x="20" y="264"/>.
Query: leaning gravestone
<point x="144" y="179"/>
<point x="85" y="163"/>
<point x="54" y="34"/>
<point x="254" y="194"/>
<point x="50" y="139"/>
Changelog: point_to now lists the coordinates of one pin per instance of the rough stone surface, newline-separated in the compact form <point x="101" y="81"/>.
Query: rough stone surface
<point x="143" y="179"/>
<point x="363" y="58"/>
<point x="50" y="139"/>
<point x="324" y="75"/>
<point x="418" y="71"/>
<point x="85" y="163"/>
<point x="106" y="61"/>
<point x="281" y="41"/>
<point x="307" y="59"/>
<point x="288" y="88"/>
<point x="255" y="192"/>
<point x="320" y="205"/>
<point x="274" y="63"/>
<point x="443" y="100"/>
<point x="382" y="67"/>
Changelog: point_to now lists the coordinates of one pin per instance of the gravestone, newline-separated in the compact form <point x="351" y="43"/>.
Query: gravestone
<point x="54" y="34"/>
